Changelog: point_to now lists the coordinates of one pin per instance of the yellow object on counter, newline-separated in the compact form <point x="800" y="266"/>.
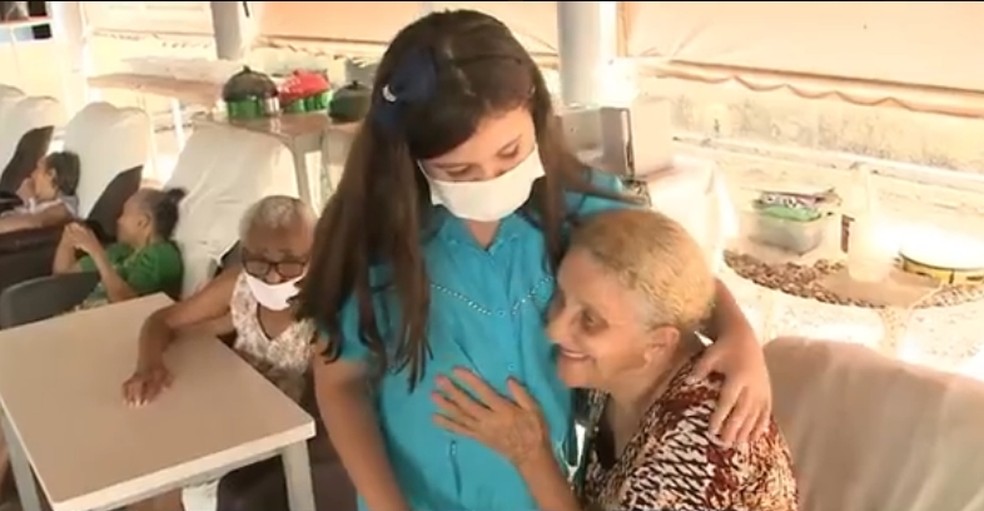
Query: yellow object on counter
<point x="943" y="275"/>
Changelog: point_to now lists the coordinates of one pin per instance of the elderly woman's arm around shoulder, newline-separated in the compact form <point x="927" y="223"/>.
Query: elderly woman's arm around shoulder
<point x="746" y="399"/>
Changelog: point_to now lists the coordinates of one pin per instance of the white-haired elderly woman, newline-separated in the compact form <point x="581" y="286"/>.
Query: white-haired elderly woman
<point x="631" y="295"/>
<point x="253" y="301"/>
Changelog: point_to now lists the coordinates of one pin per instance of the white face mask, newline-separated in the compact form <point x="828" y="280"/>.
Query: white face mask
<point x="275" y="297"/>
<point x="490" y="200"/>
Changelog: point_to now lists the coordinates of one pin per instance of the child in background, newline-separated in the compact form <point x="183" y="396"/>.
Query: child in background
<point x="47" y="195"/>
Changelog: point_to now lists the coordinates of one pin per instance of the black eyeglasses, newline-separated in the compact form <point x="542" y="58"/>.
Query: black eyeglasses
<point x="287" y="268"/>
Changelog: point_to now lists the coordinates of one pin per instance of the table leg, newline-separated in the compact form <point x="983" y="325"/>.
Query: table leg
<point x="178" y="120"/>
<point x="154" y="168"/>
<point x="326" y="187"/>
<point x="297" y="467"/>
<point x="303" y="178"/>
<point x="23" y="476"/>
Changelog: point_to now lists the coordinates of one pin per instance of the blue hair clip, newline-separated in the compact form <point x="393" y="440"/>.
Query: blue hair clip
<point x="413" y="81"/>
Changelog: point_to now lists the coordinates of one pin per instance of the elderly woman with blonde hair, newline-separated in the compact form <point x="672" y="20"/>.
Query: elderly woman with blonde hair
<point x="633" y="291"/>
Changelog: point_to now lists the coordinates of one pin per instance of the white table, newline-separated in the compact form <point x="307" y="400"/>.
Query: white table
<point x="64" y="416"/>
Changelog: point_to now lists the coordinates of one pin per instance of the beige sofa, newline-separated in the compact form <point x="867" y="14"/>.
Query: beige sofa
<point x="869" y="433"/>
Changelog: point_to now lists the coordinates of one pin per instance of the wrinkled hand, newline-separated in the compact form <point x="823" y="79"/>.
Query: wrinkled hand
<point x="146" y="384"/>
<point x="83" y="238"/>
<point x="513" y="428"/>
<point x="745" y="406"/>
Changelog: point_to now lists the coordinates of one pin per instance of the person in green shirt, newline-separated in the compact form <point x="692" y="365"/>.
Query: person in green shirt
<point x="143" y="261"/>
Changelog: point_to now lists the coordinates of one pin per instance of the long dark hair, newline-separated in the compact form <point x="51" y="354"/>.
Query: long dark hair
<point x="438" y="79"/>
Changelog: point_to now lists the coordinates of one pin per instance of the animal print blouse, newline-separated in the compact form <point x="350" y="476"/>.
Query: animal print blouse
<point x="670" y="464"/>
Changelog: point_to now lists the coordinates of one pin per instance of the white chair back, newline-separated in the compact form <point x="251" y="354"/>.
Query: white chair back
<point x="109" y="141"/>
<point x="20" y="115"/>
<point x="868" y="432"/>
<point x="8" y="96"/>
<point x="224" y="170"/>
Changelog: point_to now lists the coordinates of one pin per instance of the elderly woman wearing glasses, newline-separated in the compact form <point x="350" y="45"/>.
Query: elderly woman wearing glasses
<point x="251" y="300"/>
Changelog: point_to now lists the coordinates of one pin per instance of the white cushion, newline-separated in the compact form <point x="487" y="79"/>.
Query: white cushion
<point x="21" y="114"/>
<point x="224" y="170"/>
<point x="8" y="96"/>
<point x="108" y="140"/>
<point x="870" y="433"/>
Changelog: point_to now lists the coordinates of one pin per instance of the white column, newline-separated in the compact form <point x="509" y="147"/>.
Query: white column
<point x="68" y="28"/>
<point x="234" y="30"/>
<point x="588" y="44"/>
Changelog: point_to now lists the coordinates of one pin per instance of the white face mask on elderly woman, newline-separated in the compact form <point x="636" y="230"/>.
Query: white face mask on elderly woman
<point x="275" y="297"/>
<point x="492" y="199"/>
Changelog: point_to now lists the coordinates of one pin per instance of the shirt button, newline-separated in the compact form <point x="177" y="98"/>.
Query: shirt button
<point x="511" y="368"/>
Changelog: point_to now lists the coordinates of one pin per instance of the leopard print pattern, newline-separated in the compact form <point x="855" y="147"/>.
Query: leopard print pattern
<point x="671" y="464"/>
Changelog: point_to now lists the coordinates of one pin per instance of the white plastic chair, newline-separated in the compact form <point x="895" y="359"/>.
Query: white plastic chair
<point x="113" y="145"/>
<point x="224" y="170"/>
<point x="27" y="119"/>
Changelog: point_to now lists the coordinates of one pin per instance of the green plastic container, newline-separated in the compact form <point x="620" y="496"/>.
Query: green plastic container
<point x="250" y="95"/>
<point x="315" y="103"/>
<point x="294" y="107"/>
<point x="252" y="108"/>
<point x="350" y="103"/>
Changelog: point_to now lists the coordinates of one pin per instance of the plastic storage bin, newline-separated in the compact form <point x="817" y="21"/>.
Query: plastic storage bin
<point x="791" y="235"/>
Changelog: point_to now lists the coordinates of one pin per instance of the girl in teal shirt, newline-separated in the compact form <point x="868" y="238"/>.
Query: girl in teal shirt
<point x="438" y="250"/>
